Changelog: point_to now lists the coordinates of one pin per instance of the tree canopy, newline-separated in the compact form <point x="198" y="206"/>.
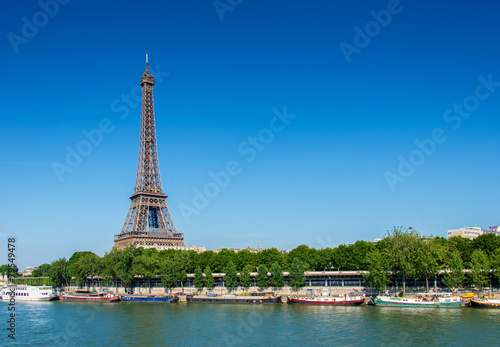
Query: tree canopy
<point x="403" y="252"/>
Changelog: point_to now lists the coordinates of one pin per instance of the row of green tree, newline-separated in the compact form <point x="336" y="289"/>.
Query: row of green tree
<point x="272" y="277"/>
<point x="171" y="266"/>
<point x="408" y="254"/>
<point x="403" y="252"/>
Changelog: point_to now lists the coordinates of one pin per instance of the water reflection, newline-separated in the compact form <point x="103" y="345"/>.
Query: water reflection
<point x="197" y="324"/>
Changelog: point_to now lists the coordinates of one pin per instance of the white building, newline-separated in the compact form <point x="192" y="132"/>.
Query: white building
<point x="467" y="232"/>
<point x="493" y="230"/>
<point x="27" y="272"/>
<point x="198" y="249"/>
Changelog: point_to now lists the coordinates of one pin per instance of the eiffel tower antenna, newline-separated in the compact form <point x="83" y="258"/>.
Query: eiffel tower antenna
<point x="148" y="223"/>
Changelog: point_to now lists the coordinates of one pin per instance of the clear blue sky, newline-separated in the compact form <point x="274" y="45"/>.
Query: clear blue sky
<point x="321" y="181"/>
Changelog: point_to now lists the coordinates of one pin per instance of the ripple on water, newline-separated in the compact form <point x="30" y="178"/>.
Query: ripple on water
<point x="197" y="324"/>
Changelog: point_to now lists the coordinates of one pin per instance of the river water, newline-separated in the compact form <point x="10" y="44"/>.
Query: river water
<point x="206" y="324"/>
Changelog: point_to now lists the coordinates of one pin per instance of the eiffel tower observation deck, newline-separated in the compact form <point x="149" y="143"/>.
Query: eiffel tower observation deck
<point x="148" y="223"/>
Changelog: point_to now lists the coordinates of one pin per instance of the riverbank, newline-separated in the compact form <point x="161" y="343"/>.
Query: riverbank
<point x="316" y="290"/>
<point x="286" y="291"/>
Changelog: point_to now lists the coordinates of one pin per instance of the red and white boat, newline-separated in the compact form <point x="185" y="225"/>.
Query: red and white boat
<point x="345" y="299"/>
<point x="102" y="297"/>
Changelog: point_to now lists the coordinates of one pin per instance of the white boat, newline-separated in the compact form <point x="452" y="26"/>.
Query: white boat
<point x="422" y="300"/>
<point x="24" y="292"/>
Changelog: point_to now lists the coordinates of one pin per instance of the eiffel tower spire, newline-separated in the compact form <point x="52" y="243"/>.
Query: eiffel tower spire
<point x="148" y="178"/>
<point x="148" y="221"/>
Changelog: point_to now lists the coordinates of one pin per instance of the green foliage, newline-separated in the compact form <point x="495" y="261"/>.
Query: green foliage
<point x="463" y="246"/>
<point x="308" y="256"/>
<point x="109" y="264"/>
<point x="199" y="280"/>
<point x="262" y="278"/>
<point x="59" y="272"/>
<point x="83" y="265"/>
<point x="325" y="259"/>
<point x="495" y="263"/>
<point x="245" y="279"/>
<point x="231" y="275"/>
<point x="404" y="250"/>
<point x="270" y="256"/>
<point x="430" y="258"/>
<point x="479" y="274"/>
<point x="219" y="260"/>
<point x="34" y="281"/>
<point x="42" y="270"/>
<point x="209" y="278"/>
<point x="296" y="274"/>
<point x="168" y="272"/>
<point x="11" y="271"/>
<point x="123" y="267"/>
<point x="276" y="279"/>
<point x="244" y="258"/>
<point x="4" y="269"/>
<point x="181" y="261"/>
<point x="358" y="253"/>
<point x="379" y="276"/>
<point x="488" y="243"/>
<point x="203" y="259"/>
<point x="341" y="258"/>
<point x="454" y="270"/>
<point x="146" y="265"/>
<point x="77" y="255"/>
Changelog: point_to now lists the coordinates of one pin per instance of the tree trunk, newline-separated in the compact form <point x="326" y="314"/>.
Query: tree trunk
<point x="427" y="283"/>
<point x="404" y="285"/>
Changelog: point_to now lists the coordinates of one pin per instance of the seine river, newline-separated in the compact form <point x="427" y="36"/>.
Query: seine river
<point x="205" y="324"/>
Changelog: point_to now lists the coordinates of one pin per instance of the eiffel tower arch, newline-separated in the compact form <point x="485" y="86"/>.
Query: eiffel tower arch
<point x="148" y="223"/>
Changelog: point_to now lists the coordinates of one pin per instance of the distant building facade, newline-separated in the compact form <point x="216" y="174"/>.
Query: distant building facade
<point x="493" y="230"/>
<point x="180" y="248"/>
<point x="29" y="270"/>
<point x="466" y="232"/>
<point x="250" y="249"/>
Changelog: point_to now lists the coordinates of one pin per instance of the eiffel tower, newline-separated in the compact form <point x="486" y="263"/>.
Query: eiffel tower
<point x="148" y="223"/>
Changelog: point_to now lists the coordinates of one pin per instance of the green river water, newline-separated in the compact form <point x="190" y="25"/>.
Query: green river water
<point x="206" y="324"/>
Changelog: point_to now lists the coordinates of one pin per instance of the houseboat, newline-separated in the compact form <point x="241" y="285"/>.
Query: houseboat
<point x="485" y="303"/>
<point x="235" y="299"/>
<point x="89" y="296"/>
<point x="151" y="298"/>
<point x="436" y="300"/>
<point x="341" y="300"/>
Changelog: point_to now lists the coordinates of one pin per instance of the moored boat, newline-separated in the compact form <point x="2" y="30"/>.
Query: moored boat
<point x="435" y="300"/>
<point x="151" y="298"/>
<point x="234" y="299"/>
<point x="102" y="297"/>
<point x="340" y="300"/>
<point x="485" y="303"/>
<point x="24" y="292"/>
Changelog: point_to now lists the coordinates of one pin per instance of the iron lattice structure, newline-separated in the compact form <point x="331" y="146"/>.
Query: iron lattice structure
<point x="148" y="221"/>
